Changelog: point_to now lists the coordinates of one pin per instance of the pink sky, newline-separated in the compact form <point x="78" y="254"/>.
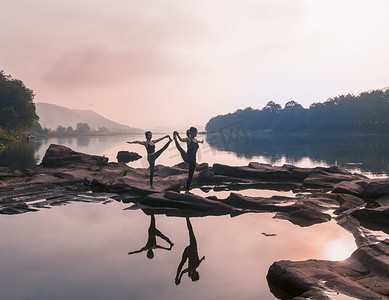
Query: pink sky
<point x="178" y="63"/>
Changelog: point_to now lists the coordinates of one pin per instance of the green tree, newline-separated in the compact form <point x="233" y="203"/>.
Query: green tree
<point x="83" y="127"/>
<point x="37" y="128"/>
<point x="60" y="128"/>
<point x="17" y="110"/>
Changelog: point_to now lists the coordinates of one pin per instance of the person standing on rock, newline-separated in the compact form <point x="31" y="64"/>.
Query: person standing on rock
<point x="189" y="156"/>
<point x="152" y="155"/>
<point x="191" y="254"/>
<point x="152" y="240"/>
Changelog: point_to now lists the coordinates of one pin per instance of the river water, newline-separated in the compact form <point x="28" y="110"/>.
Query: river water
<point x="80" y="251"/>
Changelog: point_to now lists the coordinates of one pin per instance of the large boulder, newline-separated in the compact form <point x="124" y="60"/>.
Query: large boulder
<point x="126" y="156"/>
<point x="61" y="156"/>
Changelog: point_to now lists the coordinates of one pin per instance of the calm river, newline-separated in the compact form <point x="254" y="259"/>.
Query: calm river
<point x="80" y="251"/>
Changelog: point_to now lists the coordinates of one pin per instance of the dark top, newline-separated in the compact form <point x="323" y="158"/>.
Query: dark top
<point x="150" y="148"/>
<point x="192" y="148"/>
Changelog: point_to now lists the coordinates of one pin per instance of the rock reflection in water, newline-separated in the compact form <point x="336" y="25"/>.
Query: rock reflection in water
<point x="82" y="254"/>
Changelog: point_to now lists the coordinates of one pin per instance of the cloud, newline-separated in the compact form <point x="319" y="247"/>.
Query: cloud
<point x="91" y="66"/>
<point x="216" y="55"/>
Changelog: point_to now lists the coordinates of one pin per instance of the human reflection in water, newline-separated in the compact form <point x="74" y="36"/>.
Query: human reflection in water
<point x="190" y="254"/>
<point x="152" y="240"/>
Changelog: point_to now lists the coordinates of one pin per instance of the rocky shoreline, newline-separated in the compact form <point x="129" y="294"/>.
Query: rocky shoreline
<point x="357" y="203"/>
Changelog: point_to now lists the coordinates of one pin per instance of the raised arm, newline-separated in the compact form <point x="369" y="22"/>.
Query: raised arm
<point x="182" y="139"/>
<point x="138" y="142"/>
<point x="160" y="139"/>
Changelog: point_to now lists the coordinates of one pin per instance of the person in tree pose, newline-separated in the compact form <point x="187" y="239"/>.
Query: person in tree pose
<point x="152" y="240"/>
<point x="191" y="254"/>
<point x="189" y="156"/>
<point x="152" y="155"/>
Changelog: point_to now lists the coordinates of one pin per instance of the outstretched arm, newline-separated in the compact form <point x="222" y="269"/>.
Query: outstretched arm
<point x="138" y="251"/>
<point x="160" y="139"/>
<point x="137" y="142"/>
<point x="199" y="141"/>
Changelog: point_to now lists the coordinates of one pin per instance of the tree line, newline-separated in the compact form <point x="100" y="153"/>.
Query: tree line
<point x="367" y="112"/>
<point x="17" y="110"/>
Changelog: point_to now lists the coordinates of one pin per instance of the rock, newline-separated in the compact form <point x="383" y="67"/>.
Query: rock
<point x="126" y="156"/>
<point x="348" y="187"/>
<point x="368" y="189"/>
<point x="303" y="211"/>
<point x="376" y="188"/>
<point x="305" y="217"/>
<point x="348" y="202"/>
<point x="326" y="180"/>
<point x="63" y="175"/>
<point x="61" y="156"/>
<point x="187" y="202"/>
<point x="364" y="275"/>
<point x="258" y="204"/>
<point x="383" y="201"/>
<point x="12" y="208"/>
<point x="373" y="218"/>
<point x="316" y="177"/>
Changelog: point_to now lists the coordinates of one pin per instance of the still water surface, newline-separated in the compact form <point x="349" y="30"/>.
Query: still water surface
<point x="80" y="251"/>
<point x="367" y="154"/>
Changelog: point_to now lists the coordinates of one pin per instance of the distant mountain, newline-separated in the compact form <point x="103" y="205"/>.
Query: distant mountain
<point x="51" y="116"/>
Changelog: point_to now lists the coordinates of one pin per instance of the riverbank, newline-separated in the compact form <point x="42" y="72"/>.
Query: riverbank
<point x="357" y="203"/>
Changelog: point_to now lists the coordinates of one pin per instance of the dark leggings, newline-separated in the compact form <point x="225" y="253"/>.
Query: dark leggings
<point x="190" y="159"/>
<point x="151" y="159"/>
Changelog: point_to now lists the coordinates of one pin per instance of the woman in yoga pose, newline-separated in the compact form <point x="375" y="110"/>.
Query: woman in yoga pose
<point x="151" y="154"/>
<point x="189" y="156"/>
<point x="152" y="240"/>
<point x="191" y="255"/>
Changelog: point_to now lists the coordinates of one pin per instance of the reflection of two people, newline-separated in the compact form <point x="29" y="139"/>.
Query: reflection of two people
<point x="191" y="255"/>
<point x="152" y="240"/>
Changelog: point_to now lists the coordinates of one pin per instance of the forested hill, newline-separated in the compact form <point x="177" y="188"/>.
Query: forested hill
<point x="52" y="116"/>
<point x="365" y="113"/>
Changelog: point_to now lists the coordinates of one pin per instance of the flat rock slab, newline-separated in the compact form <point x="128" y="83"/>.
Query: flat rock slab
<point x="368" y="189"/>
<point x="188" y="202"/>
<point x="310" y="177"/>
<point x="364" y="275"/>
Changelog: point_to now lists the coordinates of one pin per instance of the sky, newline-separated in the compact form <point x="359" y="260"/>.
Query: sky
<point x="178" y="63"/>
